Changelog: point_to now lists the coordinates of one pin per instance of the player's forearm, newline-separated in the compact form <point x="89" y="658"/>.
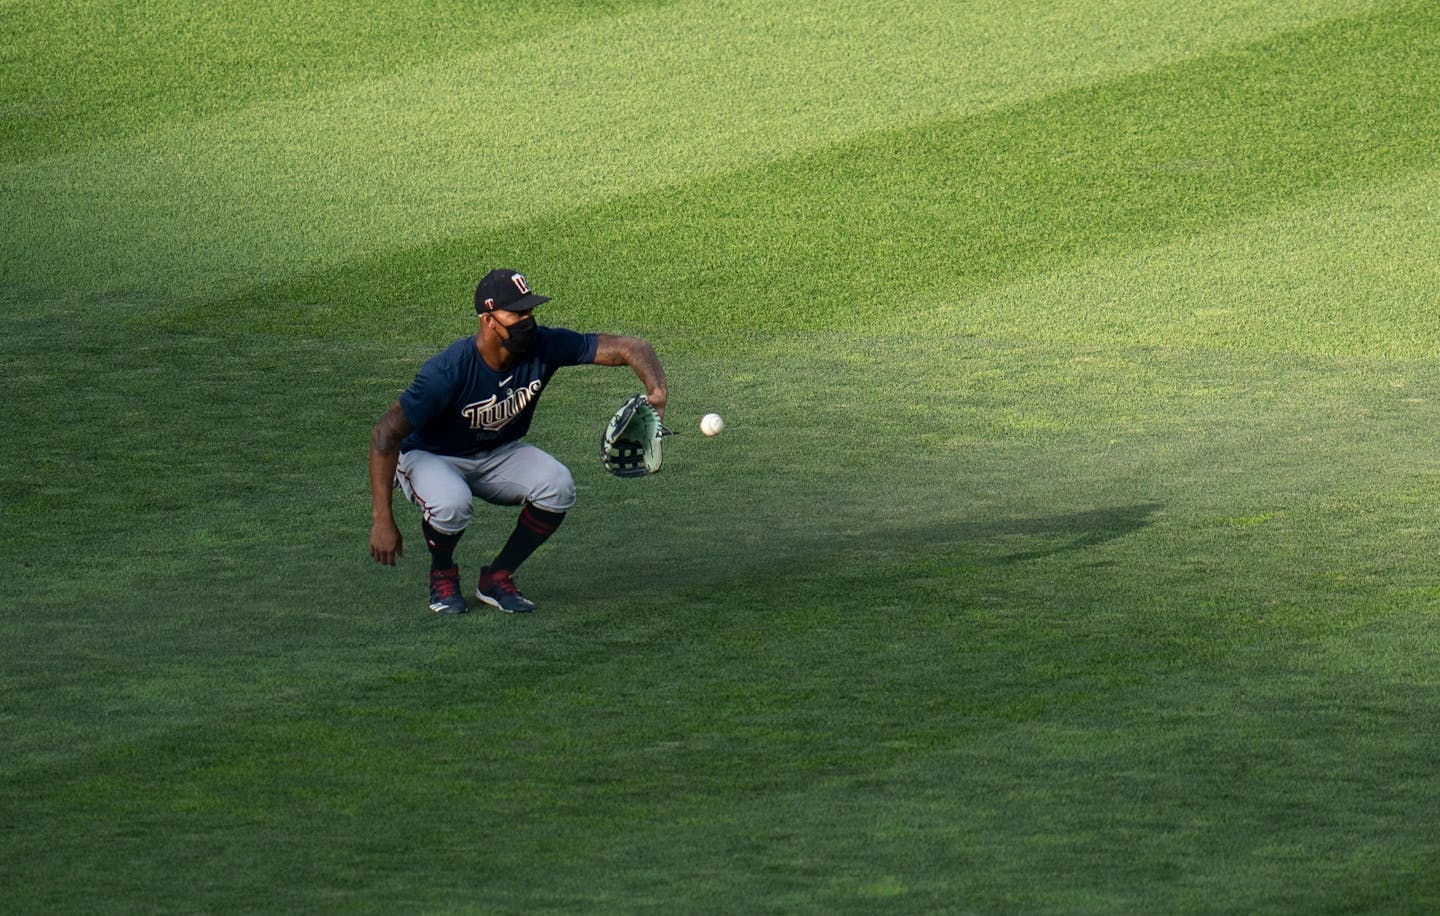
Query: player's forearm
<point x="383" y="461"/>
<point x="385" y="441"/>
<point x="636" y="353"/>
<point x="646" y="365"/>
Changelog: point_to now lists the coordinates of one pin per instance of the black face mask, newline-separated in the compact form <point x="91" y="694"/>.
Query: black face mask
<point x="522" y="336"/>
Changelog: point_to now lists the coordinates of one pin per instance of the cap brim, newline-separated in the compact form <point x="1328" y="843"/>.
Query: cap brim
<point x="523" y="304"/>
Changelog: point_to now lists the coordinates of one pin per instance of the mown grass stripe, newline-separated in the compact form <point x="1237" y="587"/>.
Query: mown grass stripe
<point x="87" y="70"/>
<point x="1345" y="273"/>
<point x="837" y="238"/>
<point x="463" y="144"/>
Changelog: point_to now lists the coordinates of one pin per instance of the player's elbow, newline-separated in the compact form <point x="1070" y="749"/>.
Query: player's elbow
<point x="391" y="429"/>
<point x="621" y="351"/>
<point x="383" y="440"/>
<point x="629" y="348"/>
<point x="639" y="352"/>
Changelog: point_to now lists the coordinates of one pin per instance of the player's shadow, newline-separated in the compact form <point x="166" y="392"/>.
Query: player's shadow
<point x="957" y="547"/>
<point x="980" y="542"/>
<point x="843" y="549"/>
<point x="1053" y="535"/>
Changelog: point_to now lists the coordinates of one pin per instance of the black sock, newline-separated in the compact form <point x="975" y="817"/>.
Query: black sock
<point x="442" y="546"/>
<point x="533" y="529"/>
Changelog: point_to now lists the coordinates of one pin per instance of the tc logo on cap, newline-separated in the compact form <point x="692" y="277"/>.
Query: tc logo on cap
<point x="504" y="288"/>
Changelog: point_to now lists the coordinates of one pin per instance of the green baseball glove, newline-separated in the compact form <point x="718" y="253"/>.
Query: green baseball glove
<point x="630" y="444"/>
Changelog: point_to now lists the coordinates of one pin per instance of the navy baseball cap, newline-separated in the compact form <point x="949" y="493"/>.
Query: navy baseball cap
<point x="503" y="288"/>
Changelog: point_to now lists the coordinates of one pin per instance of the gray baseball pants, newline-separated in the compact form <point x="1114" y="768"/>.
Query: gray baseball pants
<point x="444" y="487"/>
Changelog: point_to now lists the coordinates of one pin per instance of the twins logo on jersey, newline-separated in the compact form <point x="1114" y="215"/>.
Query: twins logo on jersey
<point x="493" y="413"/>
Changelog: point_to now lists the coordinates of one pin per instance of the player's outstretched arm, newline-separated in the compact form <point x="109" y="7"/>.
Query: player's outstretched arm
<point x="636" y="353"/>
<point x="385" y="541"/>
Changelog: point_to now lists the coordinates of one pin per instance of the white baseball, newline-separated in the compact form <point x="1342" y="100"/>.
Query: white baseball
<point x="711" y="424"/>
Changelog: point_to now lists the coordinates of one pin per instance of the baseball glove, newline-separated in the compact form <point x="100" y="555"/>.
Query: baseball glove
<point x="630" y="444"/>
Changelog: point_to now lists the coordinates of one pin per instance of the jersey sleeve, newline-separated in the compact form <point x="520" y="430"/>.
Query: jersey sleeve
<point x="427" y="396"/>
<point x="570" y="348"/>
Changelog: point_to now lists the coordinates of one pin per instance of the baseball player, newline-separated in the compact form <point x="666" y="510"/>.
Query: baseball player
<point x="456" y="433"/>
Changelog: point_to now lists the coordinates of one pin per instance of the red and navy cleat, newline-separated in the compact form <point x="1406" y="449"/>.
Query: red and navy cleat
<point x="497" y="589"/>
<point x="445" y="597"/>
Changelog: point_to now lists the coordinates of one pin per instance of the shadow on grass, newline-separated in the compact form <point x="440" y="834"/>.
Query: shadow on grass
<point x="1069" y="533"/>
<point x="842" y="558"/>
<point x="995" y="541"/>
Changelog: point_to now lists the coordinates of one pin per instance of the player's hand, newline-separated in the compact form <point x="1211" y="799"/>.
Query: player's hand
<point x="657" y="400"/>
<point x="386" y="543"/>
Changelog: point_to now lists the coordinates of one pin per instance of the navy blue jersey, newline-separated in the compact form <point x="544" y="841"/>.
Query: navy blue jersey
<point x="460" y="406"/>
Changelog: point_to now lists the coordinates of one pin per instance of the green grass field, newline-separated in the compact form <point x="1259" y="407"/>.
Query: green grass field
<point x="1072" y="546"/>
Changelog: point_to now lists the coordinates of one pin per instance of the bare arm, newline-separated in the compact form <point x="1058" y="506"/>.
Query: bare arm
<point x="385" y="541"/>
<point x="636" y="353"/>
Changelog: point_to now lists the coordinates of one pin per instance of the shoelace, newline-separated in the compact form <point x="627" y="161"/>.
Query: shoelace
<point x="445" y="586"/>
<point x="505" y="584"/>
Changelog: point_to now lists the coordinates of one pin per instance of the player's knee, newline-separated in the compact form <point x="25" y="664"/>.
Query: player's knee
<point x="556" y="493"/>
<point x="450" y="515"/>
